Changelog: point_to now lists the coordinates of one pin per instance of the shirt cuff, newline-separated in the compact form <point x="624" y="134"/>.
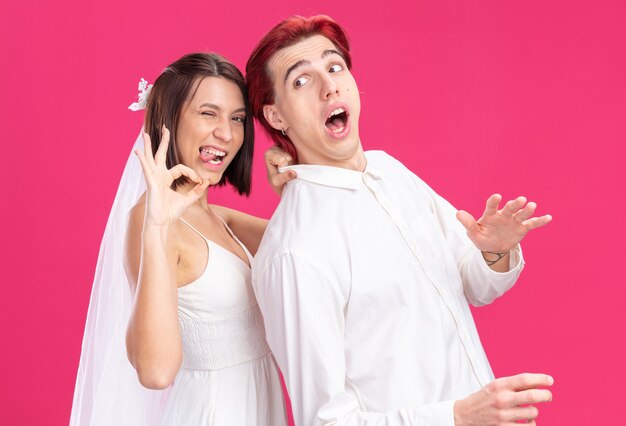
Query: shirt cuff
<point x="438" y="414"/>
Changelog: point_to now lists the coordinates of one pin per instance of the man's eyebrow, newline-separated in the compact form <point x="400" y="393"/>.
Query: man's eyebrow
<point x="302" y="62"/>
<point x="298" y="64"/>
<point x="329" y="52"/>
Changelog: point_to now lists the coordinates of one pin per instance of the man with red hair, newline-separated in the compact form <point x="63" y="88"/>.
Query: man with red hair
<point x="364" y="274"/>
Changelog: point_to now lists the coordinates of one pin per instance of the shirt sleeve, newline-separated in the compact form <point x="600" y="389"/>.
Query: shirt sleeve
<point x="481" y="284"/>
<point x="303" y="304"/>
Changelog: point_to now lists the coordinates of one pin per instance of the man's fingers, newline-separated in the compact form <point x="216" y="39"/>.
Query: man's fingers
<point x="161" y="153"/>
<point x="492" y="204"/>
<point x="523" y="381"/>
<point x="466" y="219"/>
<point x="526" y="212"/>
<point x="537" y="222"/>
<point x="511" y="207"/>
<point x="532" y="396"/>
<point x="523" y="413"/>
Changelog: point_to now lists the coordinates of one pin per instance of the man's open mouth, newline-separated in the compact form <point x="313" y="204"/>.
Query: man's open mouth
<point x="337" y="120"/>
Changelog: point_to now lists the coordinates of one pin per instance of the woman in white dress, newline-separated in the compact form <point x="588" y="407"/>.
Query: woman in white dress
<point x="194" y="328"/>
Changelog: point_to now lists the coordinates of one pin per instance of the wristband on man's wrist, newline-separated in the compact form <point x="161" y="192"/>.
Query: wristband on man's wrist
<point x="492" y="261"/>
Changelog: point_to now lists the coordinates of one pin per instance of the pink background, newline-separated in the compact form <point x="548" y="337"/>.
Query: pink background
<point x="476" y="97"/>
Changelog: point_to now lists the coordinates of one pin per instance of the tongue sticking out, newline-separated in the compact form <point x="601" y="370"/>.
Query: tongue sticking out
<point x="205" y="156"/>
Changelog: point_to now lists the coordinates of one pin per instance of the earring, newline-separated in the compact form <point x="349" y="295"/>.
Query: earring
<point x="283" y="132"/>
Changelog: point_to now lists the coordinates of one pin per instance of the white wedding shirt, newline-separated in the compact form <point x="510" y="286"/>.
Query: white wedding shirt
<point x="364" y="279"/>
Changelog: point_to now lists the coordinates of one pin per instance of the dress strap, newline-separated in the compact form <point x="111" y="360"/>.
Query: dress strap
<point x="230" y="231"/>
<point x="194" y="229"/>
<point x="232" y="234"/>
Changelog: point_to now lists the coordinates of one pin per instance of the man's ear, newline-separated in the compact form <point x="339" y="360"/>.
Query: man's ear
<point x="271" y="114"/>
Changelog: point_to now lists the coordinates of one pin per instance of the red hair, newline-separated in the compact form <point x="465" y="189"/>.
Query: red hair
<point x="286" y="33"/>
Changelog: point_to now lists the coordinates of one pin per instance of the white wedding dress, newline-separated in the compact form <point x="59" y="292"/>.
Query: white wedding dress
<point x="228" y="375"/>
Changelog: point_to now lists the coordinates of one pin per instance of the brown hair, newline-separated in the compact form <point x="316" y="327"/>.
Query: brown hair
<point x="173" y="88"/>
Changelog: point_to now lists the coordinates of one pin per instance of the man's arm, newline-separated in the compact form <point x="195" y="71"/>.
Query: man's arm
<point x="482" y="283"/>
<point x="303" y="305"/>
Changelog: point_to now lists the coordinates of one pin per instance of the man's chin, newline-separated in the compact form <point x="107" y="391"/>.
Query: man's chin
<point x="346" y="153"/>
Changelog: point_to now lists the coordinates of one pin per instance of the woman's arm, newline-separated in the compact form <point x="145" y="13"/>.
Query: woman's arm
<point x="153" y="340"/>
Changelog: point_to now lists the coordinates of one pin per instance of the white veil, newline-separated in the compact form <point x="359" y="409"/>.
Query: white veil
<point x="107" y="389"/>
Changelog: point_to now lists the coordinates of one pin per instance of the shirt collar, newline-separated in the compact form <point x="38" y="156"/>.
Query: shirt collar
<point x="336" y="177"/>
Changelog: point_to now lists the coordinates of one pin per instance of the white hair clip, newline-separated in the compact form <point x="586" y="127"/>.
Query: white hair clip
<point x="144" y="90"/>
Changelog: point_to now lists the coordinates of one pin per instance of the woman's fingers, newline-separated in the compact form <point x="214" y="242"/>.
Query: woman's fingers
<point x="161" y="153"/>
<point x="278" y="180"/>
<point x="276" y="157"/>
<point x="182" y="170"/>
<point x="196" y="192"/>
<point x="147" y="145"/>
<point x="142" y="159"/>
<point x="144" y="165"/>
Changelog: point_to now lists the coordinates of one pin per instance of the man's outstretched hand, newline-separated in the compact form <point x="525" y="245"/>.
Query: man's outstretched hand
<point x="498" y="231"/>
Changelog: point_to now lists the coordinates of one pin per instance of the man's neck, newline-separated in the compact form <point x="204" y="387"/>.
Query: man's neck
<point x="356" y="162"/>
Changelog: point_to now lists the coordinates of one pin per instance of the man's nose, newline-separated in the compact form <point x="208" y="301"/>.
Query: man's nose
<point x="329" y="87"/>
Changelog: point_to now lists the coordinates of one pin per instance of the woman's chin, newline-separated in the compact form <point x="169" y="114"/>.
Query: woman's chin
<point x="214" y="178"/>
